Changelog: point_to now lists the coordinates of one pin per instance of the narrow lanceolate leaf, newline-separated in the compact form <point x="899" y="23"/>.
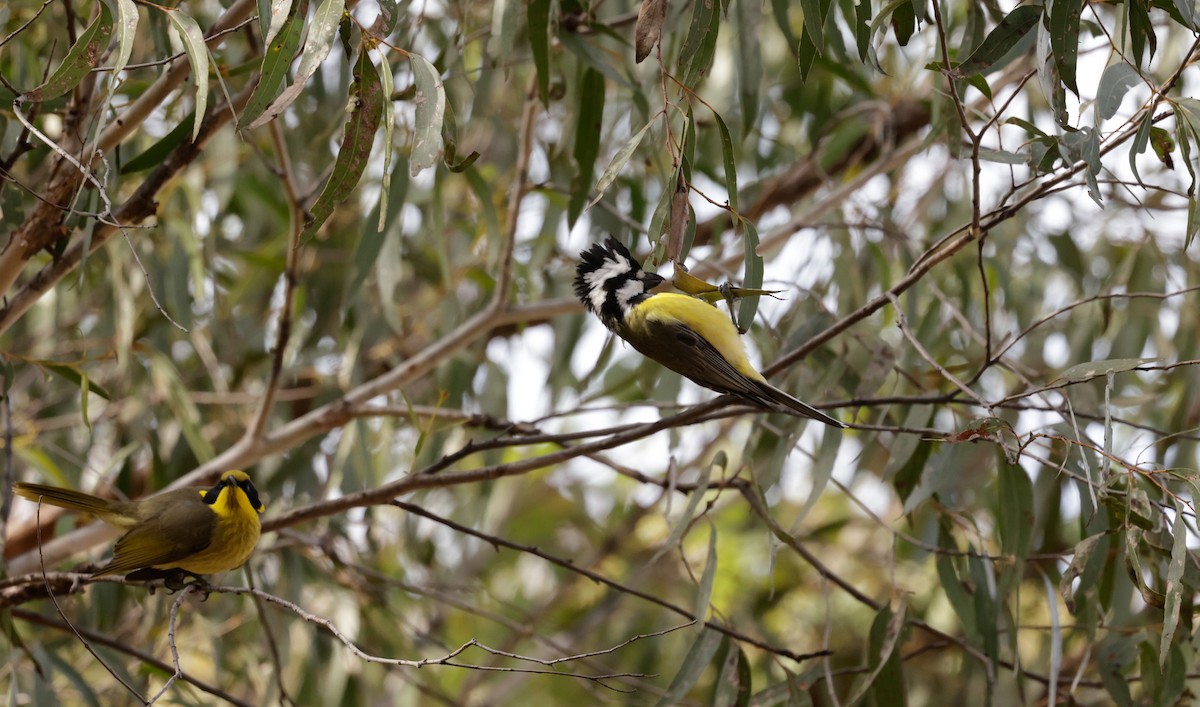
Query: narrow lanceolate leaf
<point x="280" y="11"/>
<point x="1093" y="369"/>
<point x="83" y="403"/>
<point x="83" y="57"/>
<point x="431" y="111"/>
<point x="387" y="81"/>
<point x="1174" y="588"/>
<point x="1000" y="40"/>
<point x="276" y="62"/>
<point x="197" y="54"/>
<point x="884" y="636"/>
<point x="815" y="12"/>
<point x="613" y="170"/>
<point x="126" y="30"/>
<point x="321" y="33"/>
<point x="727" y="156"/>
<point x="587" y="138"/>
<point x="753" y="276"/>
<point x="694" y="664"/>
<point x="1064" y="39"/>
<point x="700" y="41"/>
<point x="505" y="18"/>
<point x="72" y="374"/>
<point x="734" y="679"/>
<point x="537" y="19"/>
<point x="1055" y="640"/>
<point x="1015" y="511"/>
<point x="749" y="61"/>
<point x="366" y="105"/>
<point x="704" y="593"/>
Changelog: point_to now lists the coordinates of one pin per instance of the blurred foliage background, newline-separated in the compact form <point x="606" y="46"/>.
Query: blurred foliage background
<point x="333" y="243"/>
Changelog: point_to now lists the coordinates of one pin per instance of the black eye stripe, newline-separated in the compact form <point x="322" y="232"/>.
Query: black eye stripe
<point x="251" y="493"/>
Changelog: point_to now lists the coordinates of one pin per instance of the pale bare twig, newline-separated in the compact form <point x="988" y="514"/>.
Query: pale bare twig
<point x="171" y="625"/>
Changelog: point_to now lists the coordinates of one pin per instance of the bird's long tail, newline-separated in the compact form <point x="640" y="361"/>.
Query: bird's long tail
<point x="102" y="508"/>
<point x="789" y="404"/>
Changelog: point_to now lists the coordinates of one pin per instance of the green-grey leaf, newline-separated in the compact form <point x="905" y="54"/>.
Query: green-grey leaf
<point x="276" y="62"/>
<point x="72" y="374"/>
<point x="1000" y="40"/>
<point x="1064" y="39"/>
<point x="537" y="19"/>
<point x="321" y="33"/>
<point x="1174" y="588"/>
<point x="83" y="56"/>
<point x="386" y="81"/>
<point x="700" y="42"/>
<point x="1116" y="81"/>
<point x="367" y="100"/>
<point x="704" y="592"/>
<point x="1016" y="510"/>
<point x="1092" y="369"/>
<point x="430" y="111"/>
<point x="126" y="29"/>
<point x="752" y="277"/>
<point x="197" y="54"/>
<point x="587" y="138"/>
<point x="694" y="664"/>
<point x="613" y="170"/>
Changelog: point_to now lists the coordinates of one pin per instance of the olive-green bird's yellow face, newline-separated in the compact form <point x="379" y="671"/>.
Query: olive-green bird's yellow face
<point x="234" y="494"/>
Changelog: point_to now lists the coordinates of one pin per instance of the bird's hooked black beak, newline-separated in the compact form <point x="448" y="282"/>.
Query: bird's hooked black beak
<point x="653" y="280"/>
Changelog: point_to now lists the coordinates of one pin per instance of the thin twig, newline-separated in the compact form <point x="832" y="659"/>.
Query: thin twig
<point x="601" y="579"/>
<point x="171" y="642"/>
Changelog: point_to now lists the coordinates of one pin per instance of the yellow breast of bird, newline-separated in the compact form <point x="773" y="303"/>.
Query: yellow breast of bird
<point x="235" y="534"/>
<point x="706" y="320"/>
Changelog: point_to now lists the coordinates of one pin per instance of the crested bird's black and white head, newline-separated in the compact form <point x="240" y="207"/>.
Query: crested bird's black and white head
<point x="610" y="282"/>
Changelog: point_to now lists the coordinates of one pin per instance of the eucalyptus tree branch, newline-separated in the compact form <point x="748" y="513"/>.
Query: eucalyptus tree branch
<point x="136" y="208"/>
<point x="44" y="225"/>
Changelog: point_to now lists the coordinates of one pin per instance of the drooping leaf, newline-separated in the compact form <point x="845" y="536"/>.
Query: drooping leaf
<point x="587" y="138"/>
<point x="366" y="107"/>
<point x="83" y="56"/>
<point x="1011" y="30"/>
<point x="321" y="33"/>
<point x="537" y="19"/>
<point x="125" y="26"/>
<point x="276" y="62"/>
<point x="693" y="666"/>
<point x="620" y="158"/>
<point x="1116" y="81"/>
<point x="197" y="55"/>
<point x="430" y="112"/>
<point x="1174" y="587"/>
<point x="1064" y="39"/>
<point x="699" y="42"/>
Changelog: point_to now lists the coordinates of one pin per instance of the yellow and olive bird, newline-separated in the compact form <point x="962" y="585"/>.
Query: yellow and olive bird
<point x="194" y="530"/>
<point x="685" y="334"/>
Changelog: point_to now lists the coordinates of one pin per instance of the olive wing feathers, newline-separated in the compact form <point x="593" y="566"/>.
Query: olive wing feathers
<point x="177" y="528"/>
<point x="681" y="349"/>
<point x="687" y="353"/>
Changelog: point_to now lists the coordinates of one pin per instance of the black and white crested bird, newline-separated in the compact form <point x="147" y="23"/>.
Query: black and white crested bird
<point x="685" y="334"/>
